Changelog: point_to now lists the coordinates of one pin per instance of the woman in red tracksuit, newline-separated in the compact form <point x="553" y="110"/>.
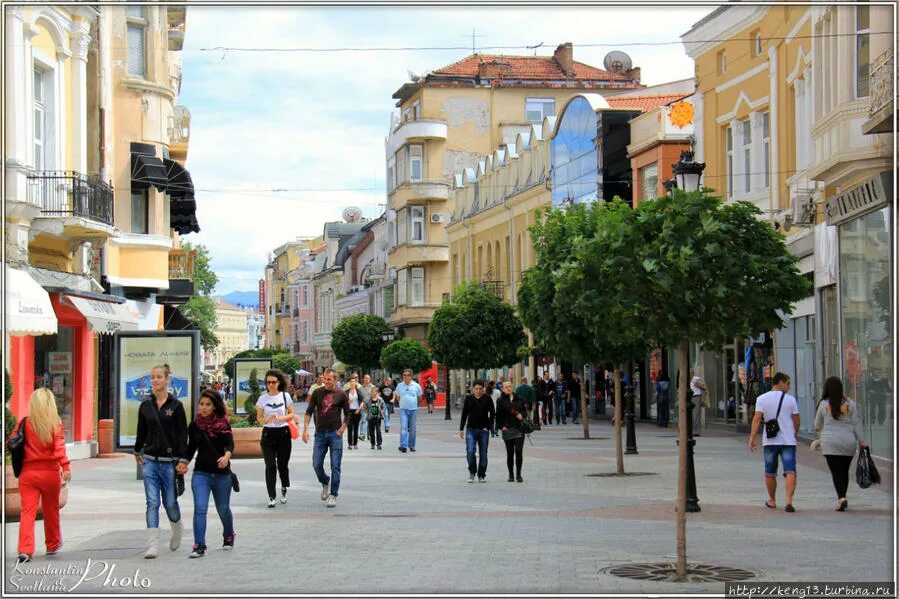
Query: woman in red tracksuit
<point x="43" y="470"/>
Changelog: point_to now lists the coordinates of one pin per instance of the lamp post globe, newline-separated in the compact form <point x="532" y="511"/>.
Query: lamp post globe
<point x="687" y="172"/>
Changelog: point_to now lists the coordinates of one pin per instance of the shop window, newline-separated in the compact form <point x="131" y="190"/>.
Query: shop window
<point x="54" y="368"/>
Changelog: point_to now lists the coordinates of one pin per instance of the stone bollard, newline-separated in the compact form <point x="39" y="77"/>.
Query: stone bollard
<point x="105" y="436"/>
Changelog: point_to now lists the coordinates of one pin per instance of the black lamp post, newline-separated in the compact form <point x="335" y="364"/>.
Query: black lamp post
<point x="670" y="185"/>
<point x="692" y="499"/>
<point x="687" y="172"/>
<point x="631" y="439"/>
<point x="446" y="393"/>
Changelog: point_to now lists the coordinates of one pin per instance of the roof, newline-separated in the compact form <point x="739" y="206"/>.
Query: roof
<point x="522" y="67"/>
<point x="644" y="103"/>
<point x="223" y="305"/>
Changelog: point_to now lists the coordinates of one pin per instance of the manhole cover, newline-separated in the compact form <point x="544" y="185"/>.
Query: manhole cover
<point x="610" y="474"/>
<point x="667" y="572"/>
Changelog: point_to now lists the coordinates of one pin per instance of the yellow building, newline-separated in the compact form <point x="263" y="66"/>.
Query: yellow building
<point x="231" y="331"/>
<point x="278" y="323"/>
<point x="450" y="119"/>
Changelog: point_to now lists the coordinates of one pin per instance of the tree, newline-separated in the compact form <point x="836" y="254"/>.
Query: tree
<point x="475" y="330"/>
<point x="255" y="393"/>
<point x="405" y="353"/>
<point x="200" y="310"/>
<point x="204" y="277"/>
<point x="356" y="340"/>
<point x="709" y="272"/>
<point x="286" y="363"/>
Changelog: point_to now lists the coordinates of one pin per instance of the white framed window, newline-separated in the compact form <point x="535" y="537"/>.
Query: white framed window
<point x="137" y="41"/>
<point x="862" y="51"/>
<point x="416" y="110"/>
<point x="766" y="148"/>
<point x="417" y="223"/>
<point x="391" y="174"/>
<point x="401" y="175"/>
<point x="536" y="109"/>
<point x="407" y="115"/>
<point x="729" y="159"/>
<point x="756" y="43"/>
<point x="304" y="296"/>
<point x="416" y="162"/>
<point x="305" y="331"/>
<point x="40" y="121"/>
<point x="140" y="212"/>
<point x="418" y="286"/>
<point x="649" y="179"/>
<point x="401" y="287"/>
<point x="746" y="130"/>
<point x="401" y="227"/>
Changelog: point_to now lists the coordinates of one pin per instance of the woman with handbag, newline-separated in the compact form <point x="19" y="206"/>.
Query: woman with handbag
<point x="161" y="443"/>
<point x="209" y="437"/>
<point x="354" y="394"/>
<point x="45" y="468"/>
<point x="840" y="431"/>
<point x="275" y="409"/>
<point x="510" y="413"/>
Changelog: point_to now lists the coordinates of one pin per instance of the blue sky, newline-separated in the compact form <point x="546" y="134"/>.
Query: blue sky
<point x="314" y="123"/>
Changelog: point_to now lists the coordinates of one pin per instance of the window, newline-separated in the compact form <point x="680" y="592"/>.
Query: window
<point x="305" y="331"/>
<point x="536" y="109"/>
<point x="747" y="155"/>
<point x="649" y="179"/>
<point x="418" y="286"/>
<point x="40" y="121"/>
<point x="862" y="51"/>
<point x="416" y="156"/>
<point x="388" y="300"/>
<point x="417" y="222"/>
<point x="722" y="62"/>
<point x="729" y="162"/>
<point x="305" y="295"/>
<point x="401" y="174"/>
<point x="401" y="287"/>
<point x="391" y="174"/>
<point x="137" y="41"/>
<point x="140" y="213"/>
<point x="416" y="110"/>
<point x="766" y="148"/>
<point x="402" y="233"/>
<point x="755" y="40"/>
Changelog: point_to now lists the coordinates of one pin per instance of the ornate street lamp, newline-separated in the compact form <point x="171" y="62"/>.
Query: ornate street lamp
<point x="670" y="185"/>
<point x="687" y="172"/>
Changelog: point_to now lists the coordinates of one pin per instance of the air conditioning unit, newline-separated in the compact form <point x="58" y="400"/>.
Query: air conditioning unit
<point x="437" y="217"/>
<point x="803" y="209"/>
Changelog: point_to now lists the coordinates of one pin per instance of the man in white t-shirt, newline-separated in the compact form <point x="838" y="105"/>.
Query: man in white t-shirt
<point x="784" y="443"/>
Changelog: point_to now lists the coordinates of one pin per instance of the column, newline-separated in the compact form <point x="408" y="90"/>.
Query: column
<point x="774" y="125"/>
<point x="80" y="41"/>
<point x="15" y="123"/>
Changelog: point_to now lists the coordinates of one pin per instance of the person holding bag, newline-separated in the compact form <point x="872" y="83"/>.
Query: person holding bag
<point x="354" y="393"/>
<point x="209" y="437"/>
<point x="780" y="413"/>
<point x="45" y="468"/>
<point x="161" y="443"/>
<point x="840" y="433"/>
<point x="275" y="409"/>
<point x="510" y="412"/>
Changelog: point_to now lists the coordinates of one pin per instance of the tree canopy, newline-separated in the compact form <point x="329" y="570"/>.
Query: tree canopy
<point x="199" y="309"/>
<point x="405" y="353"/>
<point x="475" y="330"/>
<point x="356" y="340"/>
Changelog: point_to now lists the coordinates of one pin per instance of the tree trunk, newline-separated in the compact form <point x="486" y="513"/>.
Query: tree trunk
<point x="681" y="506"/>
<point x="619" y="451"/>
<point x="585" y="414"/>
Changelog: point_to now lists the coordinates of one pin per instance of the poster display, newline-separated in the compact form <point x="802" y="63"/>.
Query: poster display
<point x="137" y="354"/>
<point x="242" y="370"/>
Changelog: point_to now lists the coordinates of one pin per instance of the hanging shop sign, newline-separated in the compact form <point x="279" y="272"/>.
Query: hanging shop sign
<point x="864" y="197"/>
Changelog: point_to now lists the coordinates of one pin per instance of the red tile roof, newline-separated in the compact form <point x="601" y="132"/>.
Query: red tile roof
<point x="521" y="67"/>
<point x="644" y="103"/>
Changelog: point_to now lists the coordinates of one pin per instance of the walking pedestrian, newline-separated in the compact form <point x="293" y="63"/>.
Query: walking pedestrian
<point x="560" y="399"/>
<point x="778" y="405"/>
<point x="546" y="389"/>
<point x="430" y="394"/>
<point x="408" y="393"/>
<point x="840" y="432"/>
<point x="494" y="394"/>
<point x="526" y="392"/>
<point x="574" y="395"/>
<point x="363" y="415"/>
<point x="698" y="389"/>
<point x="209" y="438"/>
<point x="318" y="383"/>
<point x="160" y="444"/>
<point x="478" y="414"/>
<point x="275" y="409"/>
<point x="354" y="394"/>
<point x="386" y="390"/>
<point x="45" y="469"/>
<point x="328" y="402"/>
<point x="663" y="398"/>
<point x="510" y="411"/>
<point x="375" y="409"/>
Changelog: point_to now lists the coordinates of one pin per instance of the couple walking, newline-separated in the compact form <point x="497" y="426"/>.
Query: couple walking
<point x="478" y="419"/>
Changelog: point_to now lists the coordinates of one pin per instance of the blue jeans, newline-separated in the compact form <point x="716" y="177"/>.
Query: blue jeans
<point x="575" y="407"/>
<point x="325" y="441"/>
<point x="408" y="419"/>
<point x="561" y="409"/>
<point x="787" y="455"/>
<point x="159" y="480"/>
<point x="480" y="438"/>
<point x="202" y="483"/>
<point x="387" y="414"/>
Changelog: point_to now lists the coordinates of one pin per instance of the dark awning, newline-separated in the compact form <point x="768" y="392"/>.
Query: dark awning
<point x="183" y="216"/>
<point x="179" y="185"/>
<point x="174" y="320"/>
<point x="146" y="171"/>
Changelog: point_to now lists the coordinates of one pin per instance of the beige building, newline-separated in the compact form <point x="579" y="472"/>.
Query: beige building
<point x="448" y="120"/>
<point x="279" y="330"/>
<point x="231" y="330"/>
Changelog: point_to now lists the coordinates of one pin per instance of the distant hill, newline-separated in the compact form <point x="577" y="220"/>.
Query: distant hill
<point x="248" y="299"/>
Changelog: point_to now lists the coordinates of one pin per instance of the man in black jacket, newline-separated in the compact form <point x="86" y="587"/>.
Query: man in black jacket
<point x="546" y="389"/>
<point x="479" y="413"/>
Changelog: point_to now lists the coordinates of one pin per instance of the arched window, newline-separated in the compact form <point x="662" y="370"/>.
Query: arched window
<point x="574" y="155"/>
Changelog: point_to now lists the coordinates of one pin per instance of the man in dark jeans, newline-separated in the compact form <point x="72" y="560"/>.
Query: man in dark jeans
<point x="574" y="391"/>
<point x="561" y="400"/>
<point x="328" y="403"/>
<point x="478" y="412"/>
<point x="546" y="388"/>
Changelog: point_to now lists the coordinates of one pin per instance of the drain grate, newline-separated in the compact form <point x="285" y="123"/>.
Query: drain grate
<point x="611" y="474"/>
<point x="667" y="572"/>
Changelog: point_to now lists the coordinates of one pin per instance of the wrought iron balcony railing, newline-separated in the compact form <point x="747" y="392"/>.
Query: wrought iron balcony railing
<point x="181" y="264"/>
<point x="494" y="287"/>
<point x="69" y="193"/>
<point x="882" y="73"/>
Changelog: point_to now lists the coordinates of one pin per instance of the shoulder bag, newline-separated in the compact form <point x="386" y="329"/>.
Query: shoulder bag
<point x="235" y="483"/>
<point x="291" y="424"/>
<point x="179" y="478"/>
<point x="772" y="428"/>
<point x="16" y="447"/>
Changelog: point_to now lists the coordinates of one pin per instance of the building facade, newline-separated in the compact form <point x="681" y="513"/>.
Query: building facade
<point x="231" y="324"/>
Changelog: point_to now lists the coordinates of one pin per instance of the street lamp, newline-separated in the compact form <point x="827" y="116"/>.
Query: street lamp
<point x="687" y="172"/>
<point x="631" y="436"/>
<point x="388" y="336"/>
<point x="670" y="185"/>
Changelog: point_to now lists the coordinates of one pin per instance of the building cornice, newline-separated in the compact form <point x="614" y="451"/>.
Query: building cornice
<point x="720" y="29"/>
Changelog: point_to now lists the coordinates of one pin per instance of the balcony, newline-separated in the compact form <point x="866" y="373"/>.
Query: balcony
<point x="181" y="274"/>
<point x="84" y="203"/>
<point x="407" y="315"/>
<point x="416" y="131"/>
<point x="417" y="192"/>
<point x="880" y="119"/>
<point x="410" y="253"/>
<point x="494" y="287"/>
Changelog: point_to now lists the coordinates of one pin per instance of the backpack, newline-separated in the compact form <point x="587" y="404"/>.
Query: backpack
<point x="374" y="411"/>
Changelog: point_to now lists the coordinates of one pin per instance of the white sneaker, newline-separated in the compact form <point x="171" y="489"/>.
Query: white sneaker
<point x="332" y="501"/>
<point x="326" y="491"/>
<point x="152" y="543"/>
<point x="283" y="494"/>
<point x="471" y="478"/>
<point x="177" y="529"/>
<point x="271" y="502"/>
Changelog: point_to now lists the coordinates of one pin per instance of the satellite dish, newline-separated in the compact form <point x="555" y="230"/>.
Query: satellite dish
<point x="413" y="77"/>
<point x="617" y="62"/>
<point x="352" y="214"/>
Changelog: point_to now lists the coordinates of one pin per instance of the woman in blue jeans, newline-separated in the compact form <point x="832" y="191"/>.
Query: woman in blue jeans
<point x="209" y="437"/>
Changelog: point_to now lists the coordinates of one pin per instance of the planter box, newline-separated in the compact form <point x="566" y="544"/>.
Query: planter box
<point x="246" y="442"/>
<point x="14" y="499"/>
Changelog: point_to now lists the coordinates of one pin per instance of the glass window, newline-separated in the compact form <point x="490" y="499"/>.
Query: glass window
<point x="722" y="62"/>
<point x="766" y="148"/>
<point x="401" y="224"/>
<point x="134" y="11"/>
<point x="39" y="120"/>
<point x="575" y="155"/>
<point x="729" y="149"/>
<point x="416" y="110"/>
<point x="418" y="286"/>
<point x="401" y="287"/>
<point x="417" y="220"/>
<point x="391" y="174"/>
<point x="649" y="180"/>
<point x="140" y="213"/>
<point x="388" y="300"/>
<point x="55" y="364"/>
<point x="757" y="43"/>
<point x="416" y="157"/>
<point x="401" y="174"/>
<point x="747" y="155"/>
<point x="862" y="51"/>
<point x="137" y="56"/>
<point x="536" y="109"/>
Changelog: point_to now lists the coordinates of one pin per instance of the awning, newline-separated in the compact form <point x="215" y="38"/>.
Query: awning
<point x="28" y="307"/>
<point x="174" y="320"/>
<point x="179" y="185"/>
<point x="146" y="171"/>
<point x="104" y="317"/>
<point x="183" y="216"/>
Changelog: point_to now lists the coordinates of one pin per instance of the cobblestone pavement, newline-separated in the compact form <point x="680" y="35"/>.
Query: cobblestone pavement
<point x="408" y="523"/>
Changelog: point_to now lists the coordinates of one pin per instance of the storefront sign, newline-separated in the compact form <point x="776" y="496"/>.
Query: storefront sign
<point x="60" y="362"/>
<point x="873" y="193"/>
<point x="105" y="317"/>
<point x="243" y="368"/>
<point x="262" y="296"/>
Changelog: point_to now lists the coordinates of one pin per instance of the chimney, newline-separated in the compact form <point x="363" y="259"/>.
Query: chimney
<point x="493" y="69"/>
<point x="564" y="56"/>
<point x="634" y="74"/>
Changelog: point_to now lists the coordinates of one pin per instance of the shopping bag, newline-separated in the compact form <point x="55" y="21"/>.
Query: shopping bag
<point x="866" y="473"/>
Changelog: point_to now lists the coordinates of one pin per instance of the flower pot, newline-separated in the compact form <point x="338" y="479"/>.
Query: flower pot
<point x="247" y="442"/>
<point x="14" y="499"/>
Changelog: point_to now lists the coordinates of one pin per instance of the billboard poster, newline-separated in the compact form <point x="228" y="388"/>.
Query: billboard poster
<point x="242" y="370"/>
<point x="137" y="354"/>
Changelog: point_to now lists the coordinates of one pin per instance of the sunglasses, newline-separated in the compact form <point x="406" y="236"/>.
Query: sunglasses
<point x="271" y="382"/>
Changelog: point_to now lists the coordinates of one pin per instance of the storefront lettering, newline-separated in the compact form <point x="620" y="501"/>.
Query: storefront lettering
<point x="855" y="201"/>
<point x="30" y="308"/>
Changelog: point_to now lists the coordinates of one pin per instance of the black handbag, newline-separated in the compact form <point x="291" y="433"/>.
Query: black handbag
<point x="866" y="473"/>
<point x="772" y="428"/>
<point x="235" y="483"/>
<point x="179" y="478"/>
<point x="16" y="448"/>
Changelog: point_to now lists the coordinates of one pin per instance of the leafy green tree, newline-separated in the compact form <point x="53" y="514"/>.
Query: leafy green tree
<point x="405" y="353"/>
<point x="709" y="272"/>
<point x="475" y="330"/>
<point x="204" y="277"/>
<point x="250" y="403"/>
<point x="200" y="310"/>
<point x="356" y="340"/>
<point x="286" y="363"/>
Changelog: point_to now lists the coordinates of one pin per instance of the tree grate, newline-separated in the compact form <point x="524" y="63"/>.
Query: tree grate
<point x="612" y="474"/>
<point x="667" y="572"/>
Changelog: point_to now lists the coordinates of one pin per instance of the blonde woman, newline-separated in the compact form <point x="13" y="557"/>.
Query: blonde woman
<point x="44" y="469"/>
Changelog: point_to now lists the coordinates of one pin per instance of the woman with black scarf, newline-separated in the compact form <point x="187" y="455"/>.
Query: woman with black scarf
<point x="510" y="411"/>
<point x="209" y="436"/>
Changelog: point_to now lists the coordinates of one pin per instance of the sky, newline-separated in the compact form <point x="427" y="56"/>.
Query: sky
<point x="282" y="142"/>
